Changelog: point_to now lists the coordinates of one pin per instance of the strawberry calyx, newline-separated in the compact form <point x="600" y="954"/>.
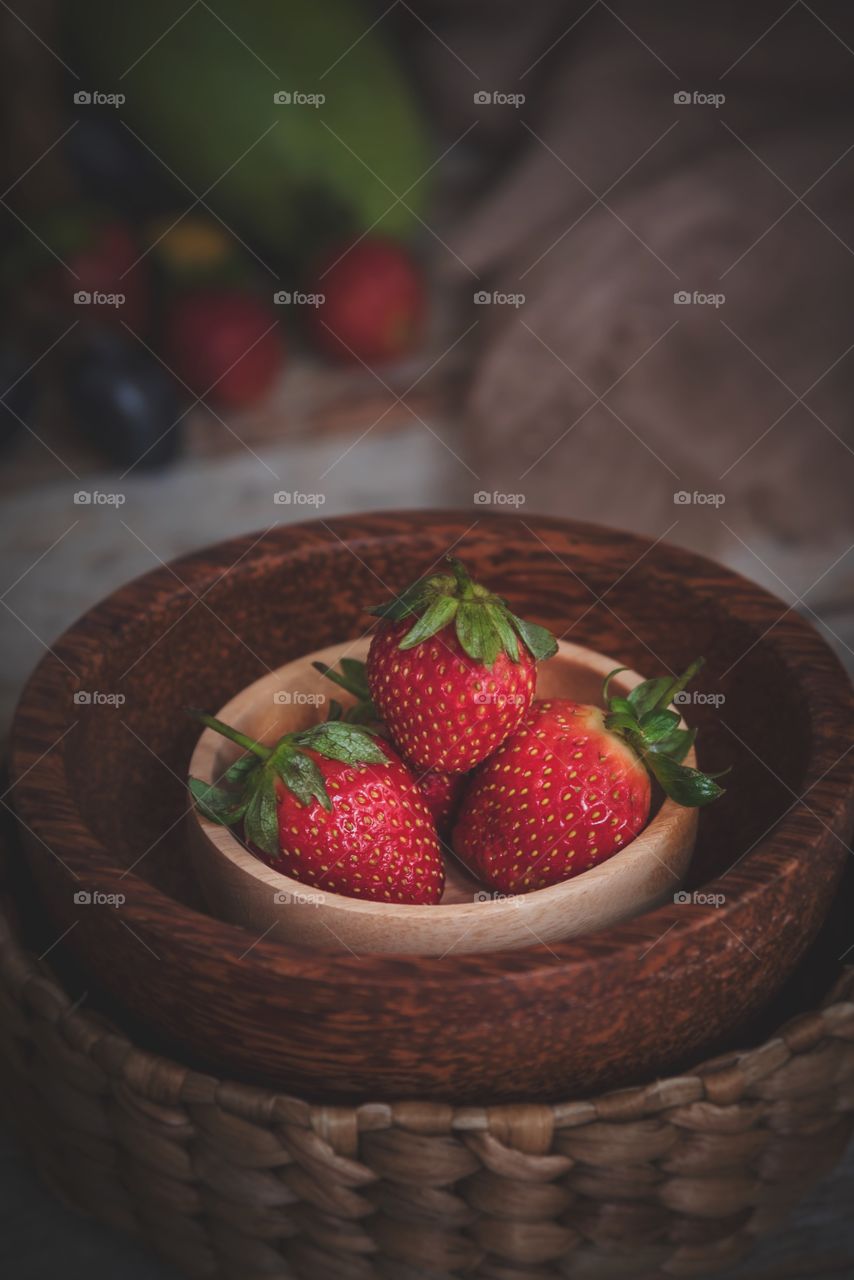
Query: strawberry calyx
<point x="252" y="782"/>
<point x="644" y="720"/>
<point x="484" y="623"/>
<point x="352" y="677"/>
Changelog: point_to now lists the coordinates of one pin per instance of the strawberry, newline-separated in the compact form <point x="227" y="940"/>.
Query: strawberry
<point x="223" y="343"/>
<point x="452" y="671"/>
<point x="442" y="791"/>
<point x="110" y="264"/>
<point x="571" y="787"/>
<point x="373" y="301"/>
<point x="332" y="807"/>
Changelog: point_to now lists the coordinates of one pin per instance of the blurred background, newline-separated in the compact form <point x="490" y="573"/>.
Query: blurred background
<point x="266" y="261"/>
<point x="269" y="261"/>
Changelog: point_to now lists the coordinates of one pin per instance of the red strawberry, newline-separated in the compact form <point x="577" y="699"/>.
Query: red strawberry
<point x="107" y="278"/>
<point x="442" y="791"/>
<point x="374" y="301"/>
<point x="571" y="787"/>
<point x="447" y="671"/>
<point x="224" y="344"/>
<point x="331" y="807"/>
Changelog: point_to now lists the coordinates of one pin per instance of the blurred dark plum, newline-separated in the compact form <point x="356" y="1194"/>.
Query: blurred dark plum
<point x="123" y="401"/>
<point x="114" y="168"/>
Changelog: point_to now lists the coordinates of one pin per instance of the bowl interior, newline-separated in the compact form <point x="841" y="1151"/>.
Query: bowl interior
<point x="167" y="646"/>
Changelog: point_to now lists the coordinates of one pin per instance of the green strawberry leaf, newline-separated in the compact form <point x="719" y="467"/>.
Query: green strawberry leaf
<point x="437" y="616"/>
<point x="413" y="599"/>
<point x="539" y="640"/>
<point x="476" y="634"/>
<point x="467" y="630"/>
<point x="261" y="823"/>
<point x="656" y="725"/>
<point x="337" y="677"/>
<point x="618" y="721"/>
<point x="338" y="740"/>
<point x="623" y="707"/>
<point x="357" y="673"/>
<point x="676" y="745"/>
<point x="492" y="644"/>
<point x="301" y="775"/>
<point x="216" y="804"/>
<point x="645" y="697"/>
<point x="506" y="635"/>
<point x="241" y="769"/>
<point x="686" y="786"/>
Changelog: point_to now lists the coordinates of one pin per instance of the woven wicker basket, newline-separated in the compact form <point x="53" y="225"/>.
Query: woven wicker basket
<point x="673" y="1179"/>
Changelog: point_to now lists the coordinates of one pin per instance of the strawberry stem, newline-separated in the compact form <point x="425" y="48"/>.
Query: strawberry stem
<point x="234" y="735"/>
<point x="461" y="577"/>
<point x="680" y="683"/>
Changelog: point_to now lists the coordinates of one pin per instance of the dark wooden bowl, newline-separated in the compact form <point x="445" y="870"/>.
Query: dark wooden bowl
<point x="100" y="791"/>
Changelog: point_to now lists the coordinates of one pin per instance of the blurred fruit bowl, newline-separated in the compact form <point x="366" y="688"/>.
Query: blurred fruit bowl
<point x="100" y="788"/>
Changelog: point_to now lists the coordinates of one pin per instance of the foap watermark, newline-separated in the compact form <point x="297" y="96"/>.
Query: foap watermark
<point x="497" y="98"/>
<point x="682" y="498"/>
<point x="296" y="498"/>
<point x="494" y="298"/>
<point x="515" y="899"/>
<point x="83" y="298"/>
<point x="498" y="499"/>
<point x="698" y="899"/>
<point x="97" y="698"/>
<point x="697" y="98"/>
<point x="94" y="898"/>
<point x="288" y="298"/>
<point x="285" y="896"/>
<point x="696" y="298"/>
<point x="696" y="698"/>
<point x="95" y="498"/>
<point x="95" y="98"/>
<point x="498" y="698"/>
<point x="298" y="698"/>
<point x="296" y="98"/>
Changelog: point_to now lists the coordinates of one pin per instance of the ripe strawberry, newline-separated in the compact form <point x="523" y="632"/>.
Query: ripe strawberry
<point x="374" y="301"/>
<point x="443" y="794"/>
<point x="224" y="344"/>
<point x="105" y="277"/>
<point x="110" y="263"/>
<point x="571" y="787"/>
<point x="333" y="808"/>
<point x="447" y="672"/>
<point x="442" y="791"/>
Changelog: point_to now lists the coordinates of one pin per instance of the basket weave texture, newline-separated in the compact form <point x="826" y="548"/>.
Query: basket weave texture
<point x="672" y="1179"/>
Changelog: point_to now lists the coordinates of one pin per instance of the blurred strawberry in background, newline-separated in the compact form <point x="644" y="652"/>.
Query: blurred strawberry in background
<point x="374" y="301"/>
<point x="225" y="343"/>
<point x="107" y="264"/>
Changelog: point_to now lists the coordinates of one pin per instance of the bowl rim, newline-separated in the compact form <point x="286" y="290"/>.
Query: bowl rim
<point x="44" y="800"/>
<point x="228" y="846"/>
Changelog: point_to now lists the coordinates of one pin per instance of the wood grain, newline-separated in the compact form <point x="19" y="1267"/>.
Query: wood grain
<point x="108" y="799"/>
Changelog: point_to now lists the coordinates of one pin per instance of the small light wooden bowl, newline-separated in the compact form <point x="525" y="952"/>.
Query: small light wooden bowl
<point x="243" y="890"/>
